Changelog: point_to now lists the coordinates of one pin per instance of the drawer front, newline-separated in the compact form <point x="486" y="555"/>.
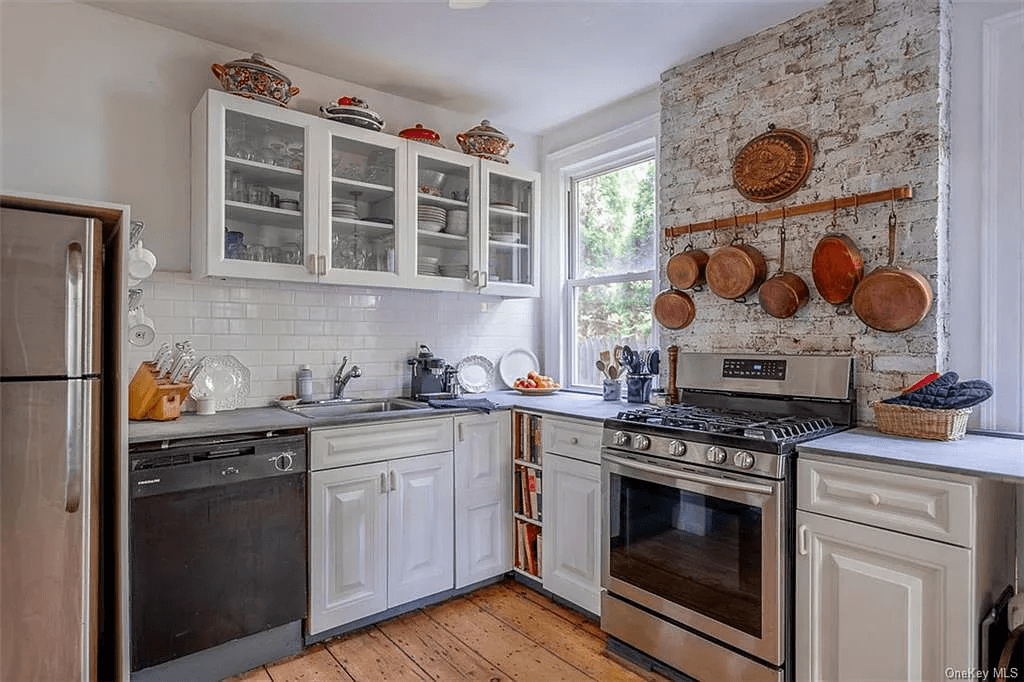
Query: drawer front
<point x="572" y="439"/>
<point x="347" y="445"/>
<point x="924" y="507"/>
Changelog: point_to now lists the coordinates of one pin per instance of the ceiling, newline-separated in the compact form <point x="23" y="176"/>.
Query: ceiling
<point x="524" y="64"/>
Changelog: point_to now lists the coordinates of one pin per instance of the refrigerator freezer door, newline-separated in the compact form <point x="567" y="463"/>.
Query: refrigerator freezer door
<point x="49" y="294"/>
<point x="48" y="554"/>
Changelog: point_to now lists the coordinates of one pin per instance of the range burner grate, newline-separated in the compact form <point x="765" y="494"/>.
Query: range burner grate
<point x="754" y="425"/>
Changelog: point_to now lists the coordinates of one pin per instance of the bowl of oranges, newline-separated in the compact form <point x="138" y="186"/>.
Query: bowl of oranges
<point x="535" y="383"/>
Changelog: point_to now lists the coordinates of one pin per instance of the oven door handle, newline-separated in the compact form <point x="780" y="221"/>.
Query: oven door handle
<point x="712" y="481"/>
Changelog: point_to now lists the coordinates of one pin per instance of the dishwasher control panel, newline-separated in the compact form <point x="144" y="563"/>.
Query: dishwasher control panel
<point x="198" y="463"/>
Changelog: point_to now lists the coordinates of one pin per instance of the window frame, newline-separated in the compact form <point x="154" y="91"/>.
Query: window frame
<point x="607" y="162"/>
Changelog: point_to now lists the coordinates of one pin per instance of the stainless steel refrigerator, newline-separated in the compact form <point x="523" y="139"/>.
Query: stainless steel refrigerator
<point x="50" y="400"/>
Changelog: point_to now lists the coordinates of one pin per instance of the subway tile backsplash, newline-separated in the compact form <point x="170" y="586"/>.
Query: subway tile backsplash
<point x="274" y="327"/>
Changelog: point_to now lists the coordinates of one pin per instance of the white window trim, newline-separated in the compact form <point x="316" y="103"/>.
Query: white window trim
<point x="637" y="140"/>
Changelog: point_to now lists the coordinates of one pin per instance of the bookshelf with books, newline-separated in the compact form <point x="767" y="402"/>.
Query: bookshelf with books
<point x="527" y="492"/>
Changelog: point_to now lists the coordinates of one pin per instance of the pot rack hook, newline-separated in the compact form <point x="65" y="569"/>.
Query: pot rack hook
<point x="689" y="238"/>
<point x="892" y="203"/>
<point x="835" y="208"/>
<point x="856" y="200"/>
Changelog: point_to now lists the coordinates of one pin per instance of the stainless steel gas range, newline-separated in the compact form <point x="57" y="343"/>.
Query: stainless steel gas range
<point x="698" y="522"/>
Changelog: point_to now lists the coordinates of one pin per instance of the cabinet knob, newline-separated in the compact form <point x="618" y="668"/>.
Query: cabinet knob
<point x="574" y="440"/>
<point x="875" y="499"/>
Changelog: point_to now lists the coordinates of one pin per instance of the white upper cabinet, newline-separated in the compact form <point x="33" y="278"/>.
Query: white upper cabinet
<point x="254" y="208"/>
<point x="510" y="206"/>
<point x="446" y="250"/>
<point x="282" y="195"/>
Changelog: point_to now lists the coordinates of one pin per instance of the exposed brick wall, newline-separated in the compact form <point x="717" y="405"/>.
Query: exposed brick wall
<point x="863" y="79"/>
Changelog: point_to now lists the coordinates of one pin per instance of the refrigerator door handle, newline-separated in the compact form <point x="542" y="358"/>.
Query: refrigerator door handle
<point x="77" y="444"/>
<point x="75" y="341"/>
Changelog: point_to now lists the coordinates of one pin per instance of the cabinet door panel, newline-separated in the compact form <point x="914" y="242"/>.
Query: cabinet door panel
<point x="420" y="527"/>
<point x="348" y="545"/>
<point x="572" y="515"/>
<point x="878" y="605"/>
<point x="482" y="497"/>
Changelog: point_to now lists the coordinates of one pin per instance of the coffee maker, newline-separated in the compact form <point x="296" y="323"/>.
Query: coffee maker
<point x="432" y="377"/>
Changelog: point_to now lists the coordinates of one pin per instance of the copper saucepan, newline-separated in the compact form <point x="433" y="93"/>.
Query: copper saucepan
<point x="674" y="309"/>
<point x="735" y="270"/>
<point x="686" y="270"/>
<point x="783" y="294"/>
<point x="892" y="298"/>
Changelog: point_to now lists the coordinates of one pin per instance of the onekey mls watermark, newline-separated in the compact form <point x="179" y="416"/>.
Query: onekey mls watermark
<point x="1009" y="673"/>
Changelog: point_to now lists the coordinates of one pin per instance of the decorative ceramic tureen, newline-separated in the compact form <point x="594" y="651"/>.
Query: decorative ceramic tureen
<point x="255" y="79"/>
<point x="421" y="134"/>
<point x="485" y="141"/>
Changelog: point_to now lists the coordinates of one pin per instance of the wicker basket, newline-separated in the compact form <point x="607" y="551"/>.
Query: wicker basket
<point x="920" y="422"/>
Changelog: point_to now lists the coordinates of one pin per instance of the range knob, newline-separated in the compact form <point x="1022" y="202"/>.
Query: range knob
<point x="743" y="459"/>
<point x="677" y="448"/>
<point x="284" y="462"/>
<point x="641" y="442"/>
<point x="620" y="438"/>
<point x="716" y="455"/>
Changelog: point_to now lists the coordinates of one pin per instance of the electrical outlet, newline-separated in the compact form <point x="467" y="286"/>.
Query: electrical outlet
<point x="1015" y="612"/>
<point x="483" y="307"/>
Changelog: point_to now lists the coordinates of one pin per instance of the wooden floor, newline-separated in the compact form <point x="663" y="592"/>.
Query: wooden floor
<point x="499" y="633"/>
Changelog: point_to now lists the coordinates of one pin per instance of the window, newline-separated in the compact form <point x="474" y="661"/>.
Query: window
<point x="611" y="257"/>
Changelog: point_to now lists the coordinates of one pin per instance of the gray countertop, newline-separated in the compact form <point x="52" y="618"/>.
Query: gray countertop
<point x="190" y="425"/>
<point x="973" y="455"/>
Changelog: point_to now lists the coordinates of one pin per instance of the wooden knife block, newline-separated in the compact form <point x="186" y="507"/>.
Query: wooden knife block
<point x="150" y="397"/>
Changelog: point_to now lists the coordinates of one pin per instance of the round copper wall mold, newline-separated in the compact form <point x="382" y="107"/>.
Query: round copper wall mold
<point x="773" y="165"/>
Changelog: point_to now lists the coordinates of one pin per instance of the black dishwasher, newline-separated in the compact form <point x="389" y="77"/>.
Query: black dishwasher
<point x="218" y="541"/>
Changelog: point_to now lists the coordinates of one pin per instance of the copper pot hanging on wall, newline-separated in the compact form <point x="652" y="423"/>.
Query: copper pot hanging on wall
<point x="786" y="292"/>
<point x="735" y="270"/>
<point x="892" y="298"/>
<point x="674" y="309"/>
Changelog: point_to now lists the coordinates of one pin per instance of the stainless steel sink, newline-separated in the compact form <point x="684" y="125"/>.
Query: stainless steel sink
<point x="345" y="408"/>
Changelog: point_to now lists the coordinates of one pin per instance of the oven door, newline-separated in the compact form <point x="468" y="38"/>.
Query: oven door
<point x="704" y="550"/>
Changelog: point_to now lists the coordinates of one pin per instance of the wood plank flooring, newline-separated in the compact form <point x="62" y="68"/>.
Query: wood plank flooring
<point x="500" y="633"/>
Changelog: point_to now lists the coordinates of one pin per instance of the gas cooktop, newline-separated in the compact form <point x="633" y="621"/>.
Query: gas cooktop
<point x="680" y="419"/>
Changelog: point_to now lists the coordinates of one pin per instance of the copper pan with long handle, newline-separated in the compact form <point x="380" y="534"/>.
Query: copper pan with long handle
<point x="892" y="298"/>
<point x="785" y="292"/>
<point x="837" y="266"/>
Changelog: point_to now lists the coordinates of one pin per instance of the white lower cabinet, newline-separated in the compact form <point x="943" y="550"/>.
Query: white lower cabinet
<point x="380" y="536"/>
<point x="483" y="501"/>
<point x="572" y="534"/>
<point x="879" y="605"/>
<point x="895" y="568"/>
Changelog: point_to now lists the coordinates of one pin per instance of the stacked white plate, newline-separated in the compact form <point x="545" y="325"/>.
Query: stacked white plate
<point x="428" y="265"/>
<point x="431" y="218"/>
<point x="458" y="221"/>
<point x="344" y="208"/>
<point x="454" y="270"/>
<point x="511" y="237"/>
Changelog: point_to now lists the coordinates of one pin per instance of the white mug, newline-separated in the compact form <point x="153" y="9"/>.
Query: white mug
<point x="141" y="262"/>
<point x="206" y="405"/>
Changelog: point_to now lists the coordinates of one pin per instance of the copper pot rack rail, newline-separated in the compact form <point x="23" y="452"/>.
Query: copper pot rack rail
<point x="735" y="221"/>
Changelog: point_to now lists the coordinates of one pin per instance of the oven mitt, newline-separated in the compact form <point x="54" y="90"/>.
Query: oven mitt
<point x="945" y="393"/>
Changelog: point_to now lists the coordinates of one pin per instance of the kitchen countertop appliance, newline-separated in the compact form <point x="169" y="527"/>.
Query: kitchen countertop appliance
<point x="58" y="402"/>
<point x="698" y="523"/>
<point x="432" y="377"/>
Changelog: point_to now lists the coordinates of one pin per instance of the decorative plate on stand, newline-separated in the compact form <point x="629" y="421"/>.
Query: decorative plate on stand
<point x="773" y="165"/>
<point x="222" y="377"/>
<point x="475" y="374"/>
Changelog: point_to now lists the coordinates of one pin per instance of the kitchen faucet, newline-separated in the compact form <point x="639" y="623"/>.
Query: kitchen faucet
<point x="341" y="377"/>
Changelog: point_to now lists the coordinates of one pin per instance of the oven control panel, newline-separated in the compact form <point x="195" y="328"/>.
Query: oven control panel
<point x="747" y="368"/>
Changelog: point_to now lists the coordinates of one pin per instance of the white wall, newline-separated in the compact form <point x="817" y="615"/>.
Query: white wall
<point x="987" y="206"/>
<point x="97" y="105"/>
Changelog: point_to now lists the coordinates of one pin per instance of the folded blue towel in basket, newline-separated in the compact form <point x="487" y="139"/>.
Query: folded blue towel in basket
<point x="478" y="404"/>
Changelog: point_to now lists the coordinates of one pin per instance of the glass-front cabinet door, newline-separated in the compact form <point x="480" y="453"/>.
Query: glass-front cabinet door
<point x="257" y="215"/>
<point x="361" y="239"/>
<point x="509" y="214"/>
<point x="447" y="246"/>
